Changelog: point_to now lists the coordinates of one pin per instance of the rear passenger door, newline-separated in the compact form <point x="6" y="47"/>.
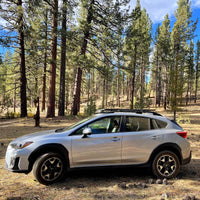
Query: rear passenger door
<point x="137" y="140"/>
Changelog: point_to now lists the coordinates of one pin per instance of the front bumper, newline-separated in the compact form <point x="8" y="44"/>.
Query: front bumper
<point x="16" y="160"/>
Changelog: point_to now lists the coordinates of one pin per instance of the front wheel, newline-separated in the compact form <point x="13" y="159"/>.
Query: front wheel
<point x="49" y="168"/>
<point x="166" y="165"/>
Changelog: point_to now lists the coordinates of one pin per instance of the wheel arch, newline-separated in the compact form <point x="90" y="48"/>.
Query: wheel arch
<point x="47" y="148"/>
<point x="167" y="147"/>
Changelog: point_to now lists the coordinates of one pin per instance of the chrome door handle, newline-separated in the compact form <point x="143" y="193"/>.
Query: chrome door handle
<point x="115" y="139"/>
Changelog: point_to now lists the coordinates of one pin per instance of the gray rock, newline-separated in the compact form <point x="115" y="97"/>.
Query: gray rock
<point x="143" y="185"/>
<point x="164" y="196"/>
<point x="159" y="181"/>
<point x="123" y="185"/>
<point x="190" y="197"/>
<point x="151" y="181"/>
<point x="132" y="186"/>
<point x="80" y="186"/>
<point x="165" y="182"/>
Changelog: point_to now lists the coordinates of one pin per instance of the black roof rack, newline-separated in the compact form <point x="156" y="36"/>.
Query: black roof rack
<point x="127" y="110"/>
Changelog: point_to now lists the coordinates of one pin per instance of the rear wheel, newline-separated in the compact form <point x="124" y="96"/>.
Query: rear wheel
<point x="49" y="168"/>
<point x="166" y="165"/>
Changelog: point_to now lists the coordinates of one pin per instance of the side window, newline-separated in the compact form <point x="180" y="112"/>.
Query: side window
<point x="157" y="124"/>
<point x="104" y="125"/>
<point x="153" y="124"/>
<point x="161" y="124"/>
<point x="136" y="124"/>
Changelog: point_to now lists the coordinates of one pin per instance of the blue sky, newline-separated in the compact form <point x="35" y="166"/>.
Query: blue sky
<point x="157" y="9"/>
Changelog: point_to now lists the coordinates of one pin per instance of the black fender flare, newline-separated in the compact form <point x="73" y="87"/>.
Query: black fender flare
<point x="166" y="147"/>
<point x="46" y="148"/>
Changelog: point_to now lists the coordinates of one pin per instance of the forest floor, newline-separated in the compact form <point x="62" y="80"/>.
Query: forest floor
<point x="116" y="184"/>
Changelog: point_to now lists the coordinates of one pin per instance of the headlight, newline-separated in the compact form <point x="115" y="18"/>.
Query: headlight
<point x="20" y="146"/>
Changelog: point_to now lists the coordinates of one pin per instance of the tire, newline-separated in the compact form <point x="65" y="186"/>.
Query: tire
<point x="166" y="165"/>
<point x="49" y="168"/>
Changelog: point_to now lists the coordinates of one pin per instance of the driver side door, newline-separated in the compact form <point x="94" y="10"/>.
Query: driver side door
<point x="102" y="147"/>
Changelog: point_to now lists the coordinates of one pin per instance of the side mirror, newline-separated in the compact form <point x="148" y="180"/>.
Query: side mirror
<point x="86" y="132"/>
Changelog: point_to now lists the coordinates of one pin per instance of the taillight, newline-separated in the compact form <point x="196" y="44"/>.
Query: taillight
<point x="182" y="134"/>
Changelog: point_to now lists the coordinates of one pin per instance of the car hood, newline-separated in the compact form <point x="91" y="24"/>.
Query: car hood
<point x="35" y="136"/>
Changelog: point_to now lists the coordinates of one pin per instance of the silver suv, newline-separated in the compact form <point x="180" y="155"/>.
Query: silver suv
<point x="109" y="138"/>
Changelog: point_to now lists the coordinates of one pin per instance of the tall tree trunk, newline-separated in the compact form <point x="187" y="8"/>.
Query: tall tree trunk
<point x="14" y="97"/>
<point x="142" y="84"/>
<point x="158" y="81"/>
<point x="118" y="84"/>
<point x="133" y="79"/>
<point x="22" y="60"/>
<point x="77" y="92"/>
<point x="159" y="85"/>
<point x="52" y="80"/>
<point x="187" y="94"/>
<point x="45" y="64"/>
<point x="61" y="111"/>
<point x="104" y="93"/>
<point x="123" y="83"/>
<point x="196" y="83"/>
<point x="77" y="89"/>
<point x="165" y="89"/>
<point x="67" y="94"/>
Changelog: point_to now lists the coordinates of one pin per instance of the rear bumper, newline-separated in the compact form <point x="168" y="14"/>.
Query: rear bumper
<point x="187" y="160"/>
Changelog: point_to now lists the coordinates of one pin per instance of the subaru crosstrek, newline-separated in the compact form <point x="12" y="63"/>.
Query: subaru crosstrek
<point x="110" y="138"/>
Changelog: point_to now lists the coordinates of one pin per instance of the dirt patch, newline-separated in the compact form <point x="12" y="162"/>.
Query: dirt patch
<point x="128" y="183"/>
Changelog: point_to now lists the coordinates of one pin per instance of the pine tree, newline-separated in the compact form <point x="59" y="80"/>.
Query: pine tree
<point x="164" y="49"/>
<point x="133" y="40"/>
<point x="20" y="29"/>
<point x="182" y="31"/>
<point x="161" y="62"/>
<point x="61" y="110"/>
<point x="190" y="71"/>
<point x="137" y="50"/>
<point x="88" y="6"/>
<point x="52" y="81"/>
<point x="97" y="16"/>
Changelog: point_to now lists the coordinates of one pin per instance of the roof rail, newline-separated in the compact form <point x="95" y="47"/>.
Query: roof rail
<point x="127" y="110"/>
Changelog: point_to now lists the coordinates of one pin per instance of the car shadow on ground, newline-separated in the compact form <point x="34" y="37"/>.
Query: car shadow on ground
<point x="81" y="178"/>
<point x="100" y="177"/>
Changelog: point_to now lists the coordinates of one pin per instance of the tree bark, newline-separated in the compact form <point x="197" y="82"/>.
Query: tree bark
<point x="23" y="81"/>
<point x="118" y="84"/>
<point x="45" y="65"/>
<point x="61" y="111"/>
<point x="133" y="79"/>
<point x="77" y="92"/>
<point x="52" y="80"/>
<point x="196" y="83"/>
<point x="165" y="89"/>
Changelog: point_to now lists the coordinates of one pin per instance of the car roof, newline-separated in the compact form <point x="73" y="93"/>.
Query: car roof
<point x="127" y="111"/>
<point x="138" y="113"/>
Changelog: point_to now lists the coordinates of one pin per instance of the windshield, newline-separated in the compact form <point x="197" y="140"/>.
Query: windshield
<point x="79" y="123"/>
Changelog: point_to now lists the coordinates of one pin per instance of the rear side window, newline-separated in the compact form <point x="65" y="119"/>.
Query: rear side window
<point x="136" y="124"/>
<point x="161" y="124"/>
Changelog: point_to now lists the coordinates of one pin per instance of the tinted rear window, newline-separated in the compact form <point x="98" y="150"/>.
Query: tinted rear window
<point x="161" y="124"/>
